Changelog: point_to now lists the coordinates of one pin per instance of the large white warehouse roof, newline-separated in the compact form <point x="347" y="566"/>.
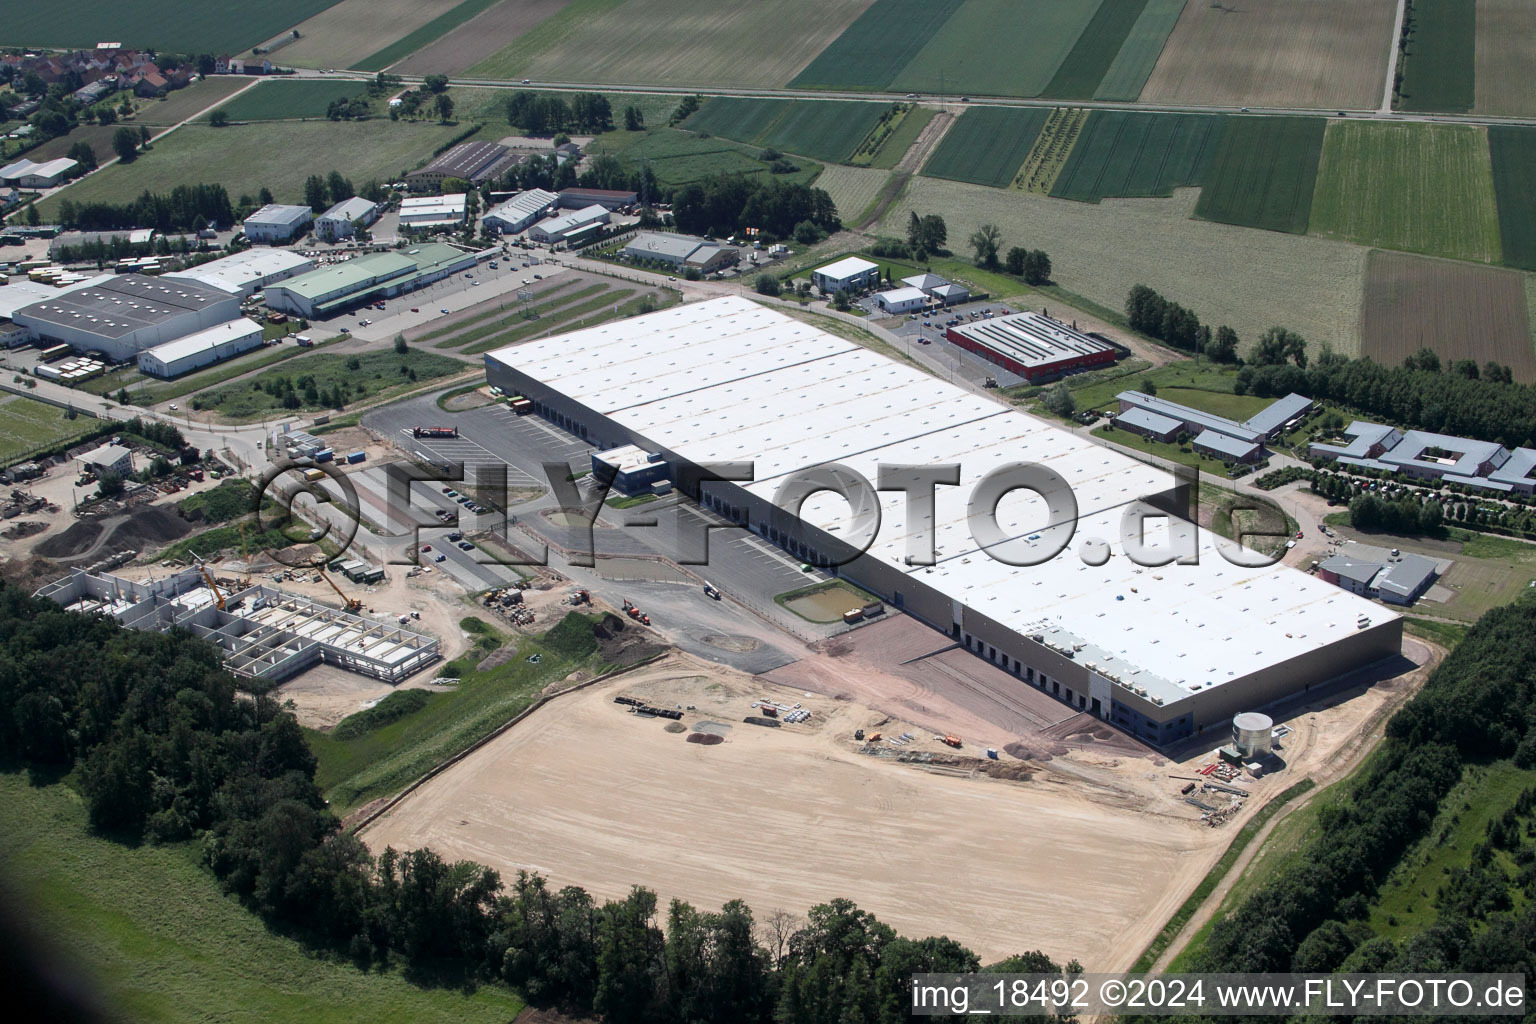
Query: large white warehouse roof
<point x="729" y="380"/>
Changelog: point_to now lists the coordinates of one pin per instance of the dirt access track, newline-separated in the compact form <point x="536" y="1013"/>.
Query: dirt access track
<point x="586" y="794"/>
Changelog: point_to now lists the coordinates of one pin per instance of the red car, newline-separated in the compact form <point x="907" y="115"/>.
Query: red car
<point x="415" y="310"/>
<point x="426" y="547"/>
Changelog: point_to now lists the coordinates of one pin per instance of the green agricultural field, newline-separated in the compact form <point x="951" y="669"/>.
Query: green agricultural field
<point x="737" y="117"/>
<point x="678" y="157"/>
<point x="998" y="47"/>
<point x="183" y="103"/>
<point x="361" y="377"/>
<point x="1439" y="65"/>
<point x="276" y="154"/>
<point x="1095" y="51"/>
<point x="27" y="427"/>
<point x="824" y="129"/>
<point x="1129" y="71"/>
<point x="277" y="100"/>
<point x="413" y="41"/>
<point x="1263" y="173"/>
<point x="895" y="145"/>
<point x="872" y="50"/>
<point x="1418" y="187"/>
<point x="987" y="145"/>
<point x="149" y="931"/>
<point x="170" y="26"/>
<point x="1127" y="153"/>
<point x="1513" y="152"/>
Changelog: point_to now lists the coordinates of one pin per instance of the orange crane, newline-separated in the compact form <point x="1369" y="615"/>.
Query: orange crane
<point x="352" y="603"/>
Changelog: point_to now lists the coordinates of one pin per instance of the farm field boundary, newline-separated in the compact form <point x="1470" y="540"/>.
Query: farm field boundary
<point x="1095" y="51"/>
<point x="416" y="39"/>
<point x="987" y="145"/>
<point x="169" y="26"/>
<point x="870" y="52"/>
<point x="1505" y="85"/>
<point x="1264" y="173"/>
<point x="1513" y="154"/>
<point x="679" y="157"/>
<point x="1438" y="64"/>
<point x="1424" y="188"/>
<point x="1131" y="153"/>
<point x="281" y="101"/>
<point x="1127" y="74"/>
<point x="822" y="129"/>
<point x="967" y="54"/>
<point x="1459" y="310"/>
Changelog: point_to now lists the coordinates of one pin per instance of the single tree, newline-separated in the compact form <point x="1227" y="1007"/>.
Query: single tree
<point x="400" y="346"/>
<point x="1014" y="261"/>
<point x="435" y="83"/>
<point x="984" y="242"/>
<point x="125" y="143"/>
<point x="1058" y="399"/>
<point x="314" y="192"/>
<point x="634" y="119"/>
<point x="767" y="284"/>
<point x="444" y="107"/>
<point x="218" y="119"/>
<point x="1148" y="386"/>
<point x="264" y="197"/>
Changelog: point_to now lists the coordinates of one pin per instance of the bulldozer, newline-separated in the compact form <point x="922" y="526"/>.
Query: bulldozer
<point x="352" y="604"/>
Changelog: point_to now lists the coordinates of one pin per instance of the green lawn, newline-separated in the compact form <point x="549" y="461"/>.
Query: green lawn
<point x="1132" y="153"/>
<point x="870" y="52"/>
<point x="276" y="154"/>
<point x="28" y="427"/>
<point x="1264" y="173"/>
<point x="1424" y="188"/>
<point x="1089" y="61"/>
<point x="1446" y="634"/>
<point x="385" y="760"/>
<point x="679" y="157"/>
<point x="1513" y="154"/>
<point x="1198" y="385"/>
<point x="150" y="933"/>
<point x="987" y="145"/>
<point x="1128" y="73"/>
<point x="894" y="146"/>
<point x="277" y="100"/>
<point x="261" y="358"/>
<point x="967" y="54"/>
<point x="367" y="375"/>
<point x="170" y="26"/>
<point x="1439" y="66"/>
<point x="1219" y="403"/>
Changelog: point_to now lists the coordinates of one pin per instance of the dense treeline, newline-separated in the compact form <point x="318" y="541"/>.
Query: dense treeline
<point x="1477" y="706"/>
<point x="165" y="750"/>
<point x="728" y="203"/>
<point x="1169" y="322"/>
<point x="184" y="208"/>
<point x="546" y="114"/>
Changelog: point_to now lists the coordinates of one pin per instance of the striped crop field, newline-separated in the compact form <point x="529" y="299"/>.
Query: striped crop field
<point x="1505" y="85"/>
<point x="1513" y="151"/>
<point x="877" y="45"/>
<point x="736" y="117"/>
<point x="278" y="100"/>
<point x="1263" y="173"/>
<point x="1127" y="74"/>
<point x="987" y="145"/>
<point x="1095" y="51"/>
<point x="1438" y="65"/>
<point x="998" y="47"/>
<point x="824" y="129"/>
<point x="1417" y="187"/>
<point x="1131" y="153"/>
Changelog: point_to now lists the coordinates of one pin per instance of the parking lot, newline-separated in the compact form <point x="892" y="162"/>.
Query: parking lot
<point x="925" y="337"/>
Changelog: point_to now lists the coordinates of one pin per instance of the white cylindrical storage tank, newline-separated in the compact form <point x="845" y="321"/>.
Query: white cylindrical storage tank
<point x="1251" y="733"/>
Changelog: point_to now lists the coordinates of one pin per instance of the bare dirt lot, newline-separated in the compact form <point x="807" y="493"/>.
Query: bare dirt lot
<point x="1280" y="53"/>
<point x="587" y="794"/>
<point x="1459" y="310"/>
<point x="478" y="38"/>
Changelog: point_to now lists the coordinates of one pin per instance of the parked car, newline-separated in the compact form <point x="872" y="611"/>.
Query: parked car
<point x="465" y="545"/>
<point x="426" y="547"/>
<point x="440" y="557"/>
<point x="443" y="310"/>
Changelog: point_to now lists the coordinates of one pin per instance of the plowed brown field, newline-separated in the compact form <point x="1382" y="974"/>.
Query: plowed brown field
<point x="1459" y="310"/>
<point x="478" y="38"/>
<point x="1279" y="53"/>
<point x="1505" y="84"/>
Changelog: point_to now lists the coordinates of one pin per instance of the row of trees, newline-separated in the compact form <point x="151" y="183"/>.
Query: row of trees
<point x="1172" y="324"/>
<point x="165" y="749"/>
<point x="1312" y="914"/>
<point x="545" y="114"/>
<point x="181" y="209"/>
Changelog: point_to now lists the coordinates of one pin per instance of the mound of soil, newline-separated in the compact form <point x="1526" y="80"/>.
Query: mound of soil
<point x="30" y="528"/>
<point x="708" y="739"/>
<point x="676" y="727"/>
<point x="1019" y="772"/>
<point x="755" y="720"/>
<point x="1033" y="752"/>
<point x="79" y="537"/>
<point x="149" y="527"/>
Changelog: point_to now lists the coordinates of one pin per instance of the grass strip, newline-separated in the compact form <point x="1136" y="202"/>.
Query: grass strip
<point x="430" y="32"/>
<point x="490" y="329"/>
<point x="562" y="320"/>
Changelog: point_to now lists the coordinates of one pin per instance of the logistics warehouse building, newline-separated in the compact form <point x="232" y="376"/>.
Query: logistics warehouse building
<point x="124" y="314"/>
<point x="1033" y="345"/>
<point x="1161" y="652"/>
<point x="320" y="293"/>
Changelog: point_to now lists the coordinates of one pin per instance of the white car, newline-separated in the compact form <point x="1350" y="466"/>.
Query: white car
<point x="173" y="407"/>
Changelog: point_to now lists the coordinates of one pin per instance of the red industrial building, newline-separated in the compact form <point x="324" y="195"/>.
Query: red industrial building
<point x="1032" y="345"/>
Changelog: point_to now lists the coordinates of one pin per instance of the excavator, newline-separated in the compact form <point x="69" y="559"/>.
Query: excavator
<point x="352" y="604"/>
